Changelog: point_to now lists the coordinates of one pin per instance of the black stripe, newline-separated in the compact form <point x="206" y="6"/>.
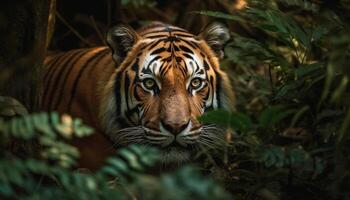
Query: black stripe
<point x="212" y="86"/>
<point x="188" y="56"/>
<point x="143" y="47"/>
<point x="167" y="59"/>
<point x="192" y="44"/>
<point x="171" y="39"/>
<point x="149" y="64"/>
<point x="164" y="69"/>
<point x="105" y="53"/>
<point x="207" y="95"/>
<point x="183" y="69"/>
<point x="53" y="59"/>
<point x="176" y="48"/>
<point x="60" y="66"/>
<point x="157" y="31"/>
<point x="174" y="29"/>
<point x="206" y="65"/>
<point x="68" y="65"/>
<point x="126" y="88"/>
<point x="183" y="35"/>
<point x="92" y="60"/>
<point x="185" y="49"/>
<point x="146" y="71"/>
<point x="65" y="79"/>
<point x="218" y="89"/>
<point x="157" y="51"/>
<point x="135" y="66"/>
<point x="136" y="95"/>
<point x="201" y="71"/>
<point x="48" y="75"/>
<point x="166" y="30"/>
<point x="128" y="114"/>
<point x="156" y="36"/>
<point x="117" y="94"/>
<point x="197" y="67"/>
<point x="154" y="44"/>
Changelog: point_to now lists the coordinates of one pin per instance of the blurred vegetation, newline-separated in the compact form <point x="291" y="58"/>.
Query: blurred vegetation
<point x="48" y="174"/>
<point x="289" y="139"/>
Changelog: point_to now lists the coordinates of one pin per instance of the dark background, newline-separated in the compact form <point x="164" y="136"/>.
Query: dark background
<point x="91" y="19"/>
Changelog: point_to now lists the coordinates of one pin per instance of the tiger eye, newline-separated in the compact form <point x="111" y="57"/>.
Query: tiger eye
<point x="149" y="83"/>
<point x="196" y="83"/>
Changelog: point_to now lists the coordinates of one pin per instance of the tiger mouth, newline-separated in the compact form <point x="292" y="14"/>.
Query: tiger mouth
<point x="168" y="140"/>
<point x="173" y="148"/>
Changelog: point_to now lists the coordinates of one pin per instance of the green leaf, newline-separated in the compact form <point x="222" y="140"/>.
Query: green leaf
<point x="42" y="124"/>
<point x="327" y="85"/>
<point x="131" y="158"/>
<point x="272" y="156"/>
<point x="304" y="70"/>
<point x="218" y="14"/>
<point x="6" y="190"/>
<point x="339" y="91"/>
<point x="272" y="115"/>
<point x="235" y="120"/>
<point x="318" y="33"/>
<point x="287" y="88"/>
<point x="298" y="115"/>
<point x="118" y="164"/>
<point x="80" y="129"/>
<point x="148" y="156"/>
<point x="29" y="125"/>
<point x="10" y="107"/>
<point x="14" y="124"/>
<point x="110" y="171"/>
<point x="344" y="130"/>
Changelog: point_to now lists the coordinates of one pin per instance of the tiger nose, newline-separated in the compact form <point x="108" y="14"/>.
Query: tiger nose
<point x="175" y="128"/>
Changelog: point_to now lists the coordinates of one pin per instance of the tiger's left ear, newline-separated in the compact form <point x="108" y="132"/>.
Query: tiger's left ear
<point x="216" y="35"/>
<point x="121" y="39"/>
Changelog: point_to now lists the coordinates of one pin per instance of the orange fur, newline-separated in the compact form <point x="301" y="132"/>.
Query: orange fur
<point x="83" y="84"/>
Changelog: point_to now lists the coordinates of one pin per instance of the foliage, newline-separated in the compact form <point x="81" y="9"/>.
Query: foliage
<point x="51" y="176"/>
<point x="291" y="78"/>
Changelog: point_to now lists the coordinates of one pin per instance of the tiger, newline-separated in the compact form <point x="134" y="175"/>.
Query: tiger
<point x="144" y="87"/>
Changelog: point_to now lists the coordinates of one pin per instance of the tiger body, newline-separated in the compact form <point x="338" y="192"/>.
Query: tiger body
<point x="72" y="85"/>
<point x="149" y="87"/>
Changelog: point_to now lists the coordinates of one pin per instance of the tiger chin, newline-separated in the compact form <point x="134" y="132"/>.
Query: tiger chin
<point x="148" y="87"/>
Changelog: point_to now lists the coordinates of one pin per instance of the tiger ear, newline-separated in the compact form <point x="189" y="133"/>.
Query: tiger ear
<point x="121" y="39"/>
<point x="216" y="35"/>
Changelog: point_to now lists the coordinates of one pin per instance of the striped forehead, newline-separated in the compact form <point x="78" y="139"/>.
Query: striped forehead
<point x="155" y="65"/>
<point x="165" y="31"/>
<point x="168" y="46"/>
<point x="159" y="60"/>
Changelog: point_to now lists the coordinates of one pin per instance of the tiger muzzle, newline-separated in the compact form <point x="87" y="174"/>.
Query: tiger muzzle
<point x="175" y="113"/>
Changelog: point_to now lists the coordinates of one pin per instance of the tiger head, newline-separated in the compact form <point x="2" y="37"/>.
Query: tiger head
<point x="165" y="78"/>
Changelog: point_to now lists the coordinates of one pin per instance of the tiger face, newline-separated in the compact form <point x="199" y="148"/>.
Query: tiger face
<point x="165" y="80"/>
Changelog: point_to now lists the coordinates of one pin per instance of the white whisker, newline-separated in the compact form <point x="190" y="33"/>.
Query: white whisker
<point x="128" y="136"/>
<point x="212" y="137"/>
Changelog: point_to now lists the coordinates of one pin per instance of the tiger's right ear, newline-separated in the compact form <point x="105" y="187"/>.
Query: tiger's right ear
<point x="121" y="39"/>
